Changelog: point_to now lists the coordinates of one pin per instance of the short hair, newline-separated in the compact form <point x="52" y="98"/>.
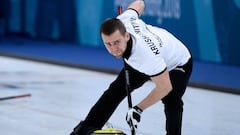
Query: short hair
<point x="111" y="25"/>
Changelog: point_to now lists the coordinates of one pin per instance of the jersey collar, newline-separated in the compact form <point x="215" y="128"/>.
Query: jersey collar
<point x="128" y="50"/>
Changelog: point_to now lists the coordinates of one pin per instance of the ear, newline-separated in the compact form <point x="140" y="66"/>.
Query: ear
<point x="127" y="36"/>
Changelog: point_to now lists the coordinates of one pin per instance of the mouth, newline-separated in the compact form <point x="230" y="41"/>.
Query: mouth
<point x="117" y="54"/>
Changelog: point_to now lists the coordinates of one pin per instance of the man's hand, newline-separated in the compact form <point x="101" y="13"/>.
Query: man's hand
<point x="134" y="116"/>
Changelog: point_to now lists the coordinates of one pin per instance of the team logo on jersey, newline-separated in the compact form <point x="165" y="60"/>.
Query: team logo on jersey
<point x="154" y="48"/>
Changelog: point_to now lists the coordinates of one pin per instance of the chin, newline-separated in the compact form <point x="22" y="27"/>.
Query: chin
<point x="118" y="57"/>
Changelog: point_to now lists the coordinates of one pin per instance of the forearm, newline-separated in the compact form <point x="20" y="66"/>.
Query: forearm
<point x="154" y="96"/>
<point x="162" y="88"/>
<point x="137" y="5"/>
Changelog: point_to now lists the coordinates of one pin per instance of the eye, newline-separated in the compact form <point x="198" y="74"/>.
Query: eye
<point x="108" y="44"/>
<point x="117" y="42"/>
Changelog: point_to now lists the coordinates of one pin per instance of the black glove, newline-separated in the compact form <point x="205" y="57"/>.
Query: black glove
<point x="134" y="116"/>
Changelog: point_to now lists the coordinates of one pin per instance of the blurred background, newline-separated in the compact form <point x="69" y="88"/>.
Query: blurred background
<point x="66" y="32"/>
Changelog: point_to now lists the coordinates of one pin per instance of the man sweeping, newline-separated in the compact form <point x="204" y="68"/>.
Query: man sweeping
<point x="149" y="53"/>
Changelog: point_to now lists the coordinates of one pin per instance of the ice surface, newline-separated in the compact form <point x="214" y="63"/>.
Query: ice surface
<point x="62" y="96"/>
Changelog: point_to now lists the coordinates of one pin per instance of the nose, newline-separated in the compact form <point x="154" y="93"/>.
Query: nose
<point x="113" y="48"/>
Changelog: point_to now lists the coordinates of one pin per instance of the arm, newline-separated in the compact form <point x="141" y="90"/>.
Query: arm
<point x="137" y="5"/>
<point x="162" y="88"/>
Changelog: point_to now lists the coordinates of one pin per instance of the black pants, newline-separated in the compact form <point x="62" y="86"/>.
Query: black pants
<point x="108" y="102"/>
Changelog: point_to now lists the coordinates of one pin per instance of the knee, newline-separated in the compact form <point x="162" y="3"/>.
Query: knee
<point x="173" y="104"/>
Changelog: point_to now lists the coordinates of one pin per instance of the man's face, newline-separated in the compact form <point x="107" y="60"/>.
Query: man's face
<point x="116" y="43"/>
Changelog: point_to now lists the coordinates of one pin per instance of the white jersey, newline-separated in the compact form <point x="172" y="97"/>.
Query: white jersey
<point x="154" y="49"/>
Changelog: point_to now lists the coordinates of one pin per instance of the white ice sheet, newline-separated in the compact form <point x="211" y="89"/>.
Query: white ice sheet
<point x="62" y="96"/>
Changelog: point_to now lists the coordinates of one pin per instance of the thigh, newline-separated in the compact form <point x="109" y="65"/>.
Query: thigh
<point x="179" y="85"/>
<point x="179" y="78"/>
<point x="136" y="79"/>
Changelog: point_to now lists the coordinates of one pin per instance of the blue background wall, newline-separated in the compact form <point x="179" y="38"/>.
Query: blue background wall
<point x="211" y="33"/>
<point x="210" y="28"/>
